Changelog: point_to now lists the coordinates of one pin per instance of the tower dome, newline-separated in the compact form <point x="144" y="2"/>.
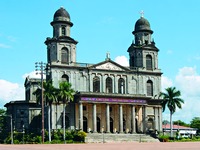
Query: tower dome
<point x="61" y="15"/>
<point x="142" y="24"/>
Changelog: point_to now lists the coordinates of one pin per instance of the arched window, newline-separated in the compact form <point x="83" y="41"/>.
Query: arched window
<point x="63" y="31"/>
<point x="96" y="84"/>
<point x="121" y="86"/>
<point x="149" y="62"/>
<point x="65" y="78"/>
<point x="149" y="88"/>
<point x="64" y="56"/>
<point x="139" y="59"/>
<point x="109" y="88"/>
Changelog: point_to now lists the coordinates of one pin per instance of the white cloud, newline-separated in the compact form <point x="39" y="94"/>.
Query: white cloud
<point x="14" y="91"/>
<point x="33" y="74"/>
<point x="169" y="52"/>
<point x="165" y="83"/>
<point x="122" y="60"/>
<point x="197" y="57"/>
<point x="4" y="46"/>
<point x="12" y="38"/>
<point x="10" y="91"/>
<point x="187" y="81"/>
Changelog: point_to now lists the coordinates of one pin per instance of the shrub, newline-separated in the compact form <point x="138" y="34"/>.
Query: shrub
<point x="56" y="142"/>
<point x="164" y="138"/>
<point x="69" y="135"/>
<point x="57" y="135"/>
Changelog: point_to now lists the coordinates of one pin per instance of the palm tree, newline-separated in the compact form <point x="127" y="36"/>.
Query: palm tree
<point x="50" y="93"/>
<point x="171" y="99"/>
<point x="66" y="93"/>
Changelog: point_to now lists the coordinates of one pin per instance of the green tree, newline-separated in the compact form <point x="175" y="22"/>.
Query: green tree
<point x="66" y="94"/>
<point x="50" y="94"/>
<point x="2" y="114"/>
<point x="3" y="125"/>
<point x="165" y="122"/>
<point x="181" y="123"/>
<point x="195" y="123"/>
<point x="171" y="99"/>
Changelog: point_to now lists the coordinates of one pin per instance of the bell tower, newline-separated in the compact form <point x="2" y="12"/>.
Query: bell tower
<point x="143" y="53"/>
<point x="61" y="48"/>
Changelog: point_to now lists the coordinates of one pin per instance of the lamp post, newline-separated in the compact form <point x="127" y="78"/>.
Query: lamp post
<point x="11" y="128"/>
<point x="40" y="66"/>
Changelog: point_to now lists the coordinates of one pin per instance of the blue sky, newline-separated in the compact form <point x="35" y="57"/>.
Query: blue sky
<point x="101" y="26"/>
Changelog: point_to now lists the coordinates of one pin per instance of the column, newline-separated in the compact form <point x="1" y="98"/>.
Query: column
<point x="94" y="118"/>
<point x="108" y="118"/>
<point x="81" y="116"/>
<point x="120" y="118"/>
<point x="133" y="119"/>
<point x="144" y="118"/>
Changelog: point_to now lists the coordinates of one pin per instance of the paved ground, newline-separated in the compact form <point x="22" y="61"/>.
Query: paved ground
<point x="108" y="146"/>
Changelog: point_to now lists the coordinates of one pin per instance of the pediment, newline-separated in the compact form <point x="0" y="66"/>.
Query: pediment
<point x="109" y="66"/>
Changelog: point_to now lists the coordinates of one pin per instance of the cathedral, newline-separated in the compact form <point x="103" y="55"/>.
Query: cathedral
<point x="109" y="97"/>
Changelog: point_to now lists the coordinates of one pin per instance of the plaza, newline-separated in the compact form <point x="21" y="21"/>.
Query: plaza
<point x="108" y="146"/>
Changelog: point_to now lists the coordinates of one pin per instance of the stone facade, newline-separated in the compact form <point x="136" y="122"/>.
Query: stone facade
<point x="109" y="97"/>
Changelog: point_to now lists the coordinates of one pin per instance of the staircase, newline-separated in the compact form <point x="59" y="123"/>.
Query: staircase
<point x="108" y="138"/>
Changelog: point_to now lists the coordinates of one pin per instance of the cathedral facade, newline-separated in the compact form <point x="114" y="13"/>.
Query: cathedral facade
<point x="109" y="97"/>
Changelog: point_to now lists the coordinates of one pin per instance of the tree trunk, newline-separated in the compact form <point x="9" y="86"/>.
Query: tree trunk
<point x="49" y="122"/>
<point x="64" y="122"/>
<point x="171" y="126"/>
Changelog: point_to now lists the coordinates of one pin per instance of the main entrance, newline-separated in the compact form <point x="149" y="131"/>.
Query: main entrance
<point x="111" y="125"/>
<point x="98" y="124"/>
<point x="85" y="124"/>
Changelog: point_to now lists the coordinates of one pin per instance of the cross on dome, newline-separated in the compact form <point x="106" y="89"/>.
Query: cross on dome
<point x="141" y="13"/>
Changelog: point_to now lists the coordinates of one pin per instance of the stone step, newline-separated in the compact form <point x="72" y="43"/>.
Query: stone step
<point x="107" y="138"/>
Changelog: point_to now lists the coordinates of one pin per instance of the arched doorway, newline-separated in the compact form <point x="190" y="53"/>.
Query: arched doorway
<point x="136" y="125"/>
<point x="111" y="125"/>
<point x="150" y="124"/>
<point x="85" y="124"/>
<point x="98" y="124"/>
<point x="124" y="125"/>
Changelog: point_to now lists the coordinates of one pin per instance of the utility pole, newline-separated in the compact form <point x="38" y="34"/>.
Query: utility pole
<point x="40" y="66"/>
